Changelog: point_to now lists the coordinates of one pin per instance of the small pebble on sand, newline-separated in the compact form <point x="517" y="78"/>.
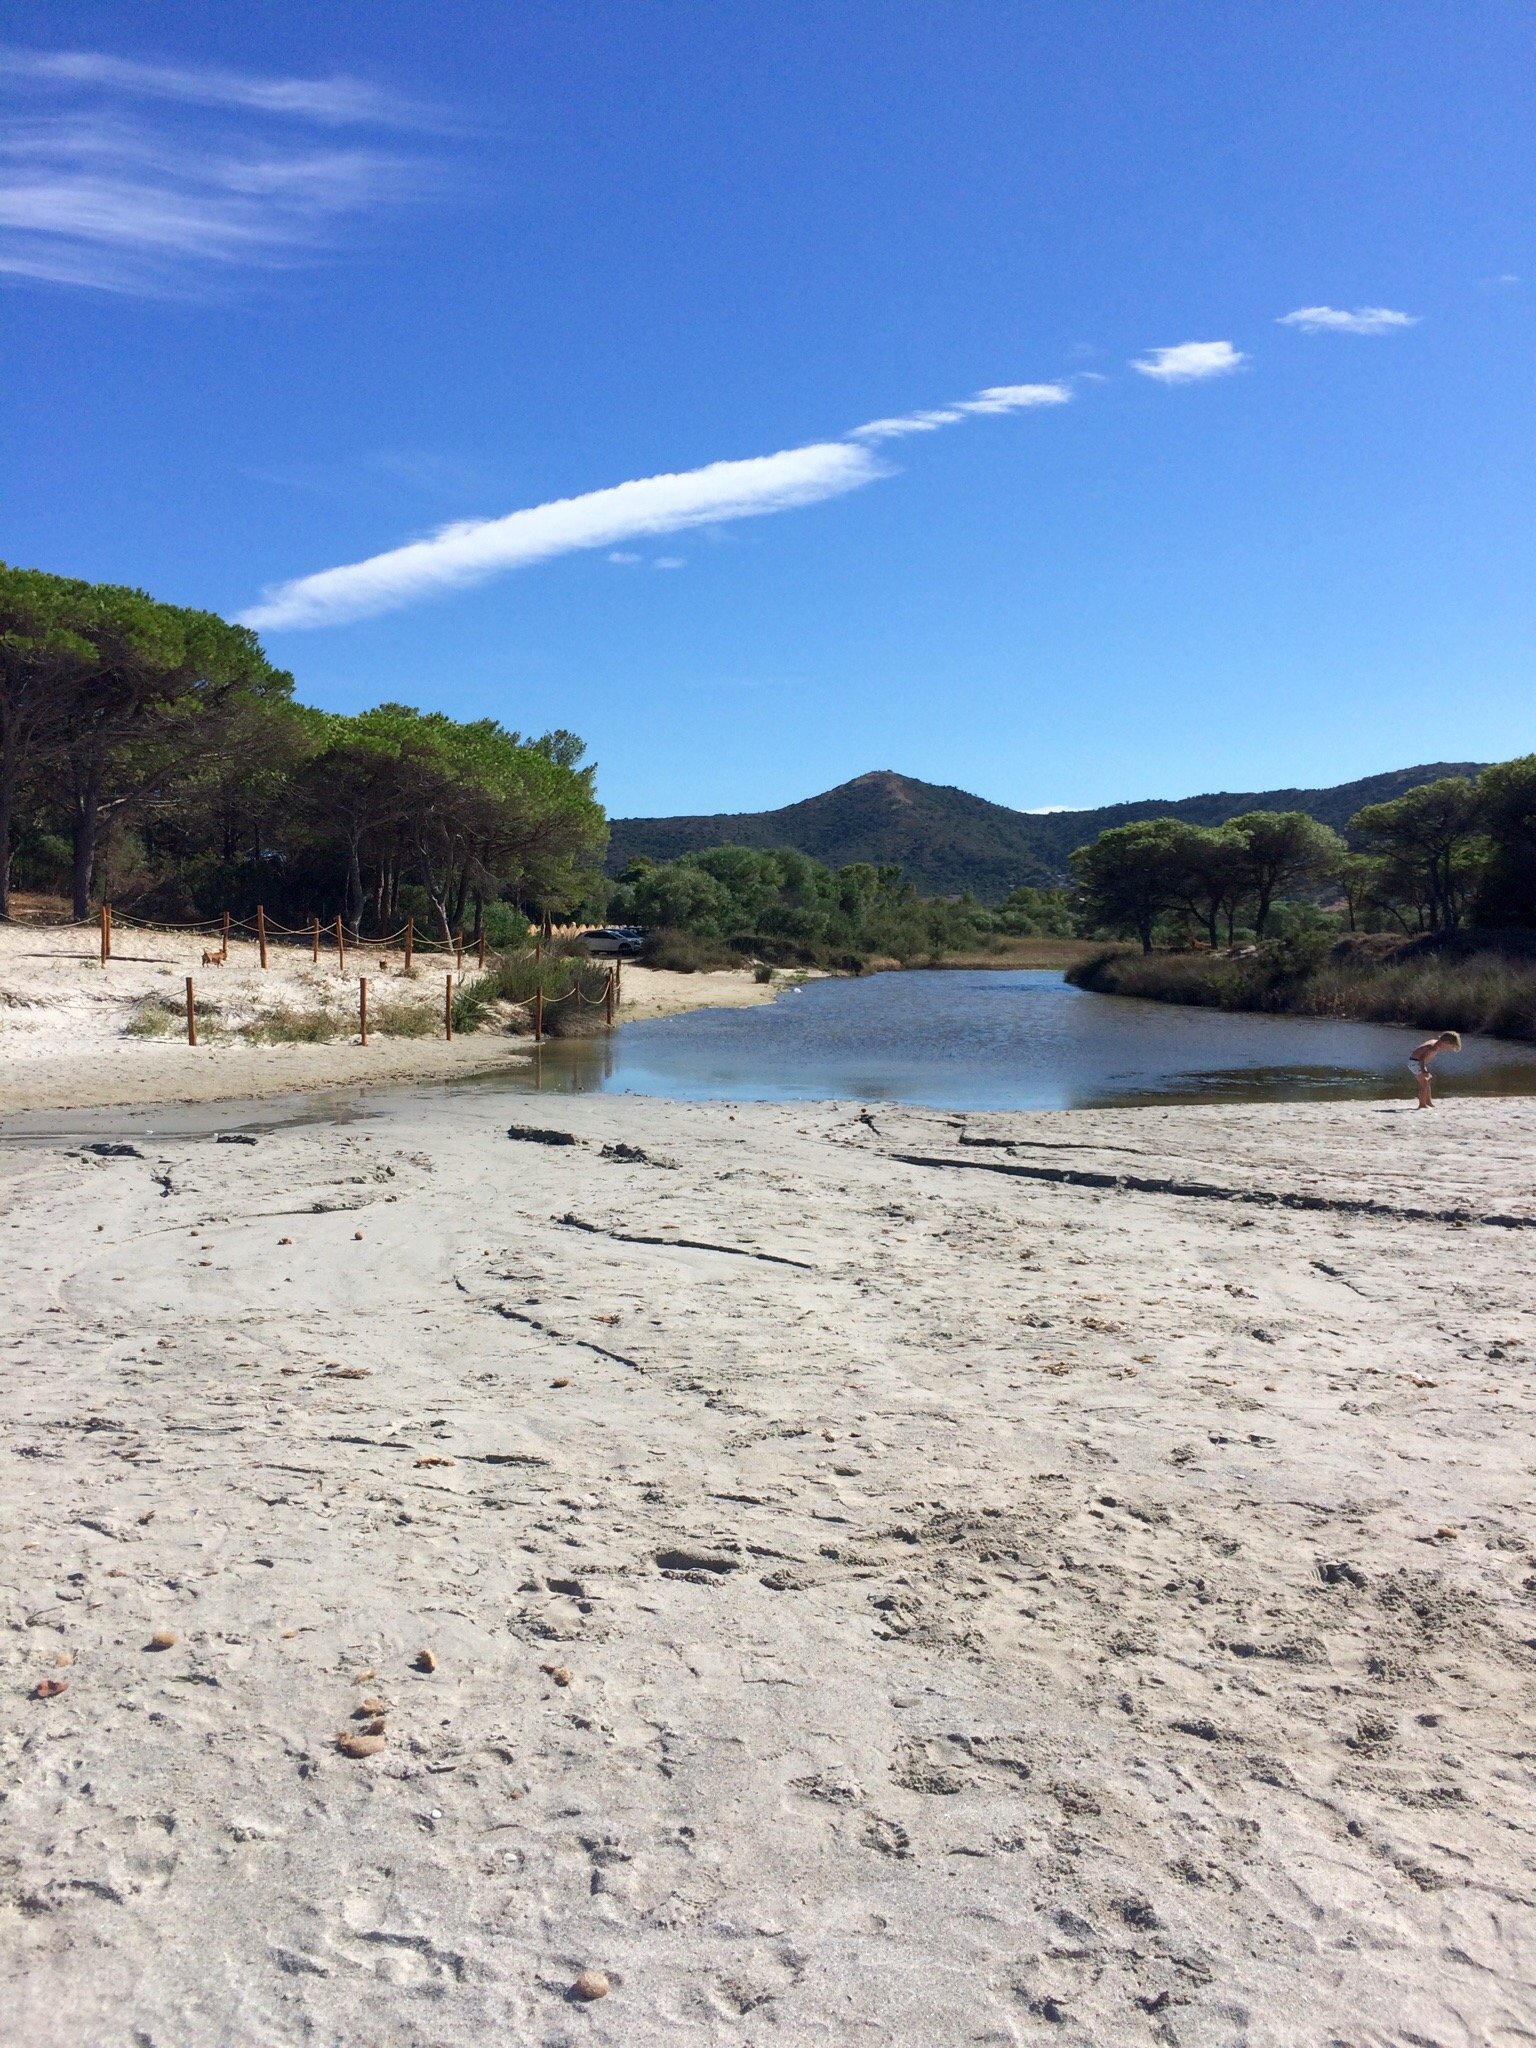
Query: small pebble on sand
<point x="163" y="1639"/>
<point x="351" y="1744"/>
<point x="560" y="1673"/>
<point x="591" y="1984"/>
<point x="424" y="1660"/>
<point x="49" y="1688"/>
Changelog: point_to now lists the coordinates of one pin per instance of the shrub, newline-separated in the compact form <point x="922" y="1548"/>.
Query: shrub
<point x="405" y="1020"/>
<point x="685" y="952"/>
<point x="288" y="1026"/>
<point x="514" y="977"/>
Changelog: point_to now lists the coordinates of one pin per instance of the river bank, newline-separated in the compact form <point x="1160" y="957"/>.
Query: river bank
<point x="842" y="1575"/>
<point x="1487" y="988"/>
<point x="77" y="1034"/>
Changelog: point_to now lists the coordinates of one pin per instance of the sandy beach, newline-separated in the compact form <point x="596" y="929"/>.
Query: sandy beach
<point x="846" y="1576"/>
<point x="72" y="1029"/>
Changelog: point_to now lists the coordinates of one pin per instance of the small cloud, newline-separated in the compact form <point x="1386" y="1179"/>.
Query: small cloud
<point x="669" y="562"/>
<point x="1333" y="320"/>
<point x="622" y="555"/>
<point x="907" y="423"/>
<point x="997" y="398"/>
<point x="1045" y="810"/>
<point x="1189" y="361"/>
<point x="1016" y="397"/>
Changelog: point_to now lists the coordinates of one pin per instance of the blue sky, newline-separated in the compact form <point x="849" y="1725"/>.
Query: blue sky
<point x="289" y="289"/>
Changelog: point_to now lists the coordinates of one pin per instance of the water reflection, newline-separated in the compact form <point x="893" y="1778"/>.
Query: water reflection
<point x="1021" y="1040"/>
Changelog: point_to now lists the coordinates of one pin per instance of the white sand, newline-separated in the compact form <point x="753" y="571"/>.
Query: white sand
<point x="997" y="1609"/>
<point x="66" y="1041"/>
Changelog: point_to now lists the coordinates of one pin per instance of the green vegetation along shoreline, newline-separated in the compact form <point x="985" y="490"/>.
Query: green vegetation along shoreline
<point x="1484" y="982"/>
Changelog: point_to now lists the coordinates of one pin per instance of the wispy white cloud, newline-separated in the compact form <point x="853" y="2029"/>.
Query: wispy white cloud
<point x="334" y="101"/>
<point x="1334" y="320"/>
<point x="472" y="550"/>
<point x="93" y="195"/>
<point x="1188" y="361"/>
<point x="998" y="398"/>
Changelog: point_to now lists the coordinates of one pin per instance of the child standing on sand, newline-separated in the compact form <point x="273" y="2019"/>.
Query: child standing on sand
<point x="1421" y="1056"/>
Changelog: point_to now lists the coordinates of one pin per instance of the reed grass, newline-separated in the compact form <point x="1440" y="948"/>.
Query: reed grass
<point x="1485" y="992"/>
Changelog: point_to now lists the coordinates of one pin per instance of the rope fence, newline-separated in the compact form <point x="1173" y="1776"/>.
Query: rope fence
<point x="337" y="932"/>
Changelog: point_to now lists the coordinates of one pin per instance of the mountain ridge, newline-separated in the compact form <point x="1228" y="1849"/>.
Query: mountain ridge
<point x="947" y="840"/>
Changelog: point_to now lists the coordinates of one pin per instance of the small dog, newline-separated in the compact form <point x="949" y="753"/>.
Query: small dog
<point x="214" y="959"/>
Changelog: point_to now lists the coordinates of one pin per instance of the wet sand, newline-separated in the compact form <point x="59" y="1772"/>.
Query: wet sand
<point x="889" y="1578"/>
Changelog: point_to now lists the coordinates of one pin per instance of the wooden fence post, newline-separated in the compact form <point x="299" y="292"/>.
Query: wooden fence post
<point x="459" y="950"/>
<point x="482" y="945"/>
<point x="191" y="1014"/>
<point x="608" y="999"/>
<point x="362" y="1006"/>
<point x="106" y="935"/>
<point x="410" y="941"/>
<point x="314" y="940"/>
<point x="447" y="1006"/>
<point x="224" y="942"/>
<point x="261" y="933"/>
<point x="341" y="948"/>
<point x="538" y="1013"/>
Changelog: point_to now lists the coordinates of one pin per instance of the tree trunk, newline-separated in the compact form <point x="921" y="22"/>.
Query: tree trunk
<point x="83" y="829"/>
<point x="1261" y="913"/>
<point x="7" y="810"/>
<point x="354" y="887"/>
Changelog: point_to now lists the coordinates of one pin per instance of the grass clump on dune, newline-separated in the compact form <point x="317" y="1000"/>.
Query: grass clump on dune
<point x="166" y="1017"/>
<point x="288" y="1026"/>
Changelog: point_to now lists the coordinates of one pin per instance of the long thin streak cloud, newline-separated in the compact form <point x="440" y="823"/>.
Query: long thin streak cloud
<point x="473" y="550"/>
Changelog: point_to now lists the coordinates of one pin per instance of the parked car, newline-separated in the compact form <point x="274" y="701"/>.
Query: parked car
<point x="613" y="942"/>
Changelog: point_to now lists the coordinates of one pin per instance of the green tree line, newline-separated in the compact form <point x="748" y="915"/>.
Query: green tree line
<point x="785" y="906"/>
<point x="1449" y="854"/>
<point x="154" y="753"/>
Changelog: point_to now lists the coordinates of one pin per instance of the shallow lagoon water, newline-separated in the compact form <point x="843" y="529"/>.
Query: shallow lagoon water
<point x="948" y="1039"/>
<point x="1024" y="1039"/>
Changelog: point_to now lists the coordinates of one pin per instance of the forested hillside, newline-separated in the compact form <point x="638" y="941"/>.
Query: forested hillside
<point x="946" y="840"/>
